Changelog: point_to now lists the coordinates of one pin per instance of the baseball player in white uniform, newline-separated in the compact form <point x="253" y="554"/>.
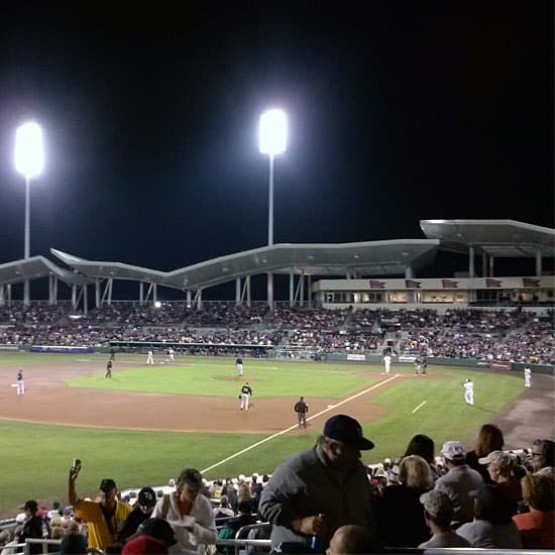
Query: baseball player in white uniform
<point x="387" y="363"/>
<point x="527" y="376"/>
<point x="469" y="392"/>
<point x="171" y="355"/>
<point x="245" y="392"/>
<point x="20" y="383"/>
<point x="150" y="358"/>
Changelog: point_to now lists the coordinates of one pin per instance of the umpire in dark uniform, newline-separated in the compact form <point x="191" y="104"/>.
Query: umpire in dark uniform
<point x="301" y="408"/>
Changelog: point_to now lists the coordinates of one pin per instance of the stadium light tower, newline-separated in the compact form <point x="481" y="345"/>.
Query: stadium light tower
<point x="272" y="139"/>
<point x="29" y="162"/>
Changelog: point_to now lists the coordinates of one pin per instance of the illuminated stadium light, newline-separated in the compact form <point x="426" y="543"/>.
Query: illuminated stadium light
<point x="29" y="152"/>
<point x="29" y="162"/>
<point x="273" y="132"/>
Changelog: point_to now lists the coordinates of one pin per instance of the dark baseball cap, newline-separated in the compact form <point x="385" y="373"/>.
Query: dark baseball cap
<point x="147" y="497"/>
<point x="191" y="477"/>
<point x="107" y="484"/>
<point x="347" y="430"/>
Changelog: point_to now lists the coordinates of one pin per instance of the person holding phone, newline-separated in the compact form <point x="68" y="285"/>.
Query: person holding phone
<point x="104" y="518"/>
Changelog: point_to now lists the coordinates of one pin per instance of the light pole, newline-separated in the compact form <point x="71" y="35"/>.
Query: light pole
<point x="272" y="141"/>
<point x="29" y="162"/>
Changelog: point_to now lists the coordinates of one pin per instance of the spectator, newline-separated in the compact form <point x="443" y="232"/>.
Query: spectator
<point x="438" y="513"/>
<point x="154" y="529"/>
<point x="224" y="510"/>
<point x="492" y="527"/>
<point x="490" y="438"/>
<point x="350" y="539"/>
<point x="105" y="517"/>
<point x="233" y="525"/>
<point x="189" y="513"/>
<point x="543" y="456"/>
<point x="244" y="493"/>
<point x="423" y="446"/>
<point x="256" y="491"/>
<point x="537" y="527"/>
<point x="401" y="504"/>
<point x="318" y="490"/>
<point x="73" y="544"/>
<point x="145" y="505"/>
<point x="144" y="544"/>
<point x="500" y="468"/>
<point x="458" y="482"/>
<point x="34" y="526"/>
<point x="231" y="492"/>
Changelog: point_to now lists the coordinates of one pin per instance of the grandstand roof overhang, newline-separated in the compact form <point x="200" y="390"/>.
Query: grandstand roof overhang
<point x="37" y="267"/>
<point x="498" y="238"/>
<point x="373" y="258"/>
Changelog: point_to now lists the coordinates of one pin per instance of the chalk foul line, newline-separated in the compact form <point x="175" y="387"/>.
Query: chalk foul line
<point x="419" y="406"/>
<point x="295" y="426"/>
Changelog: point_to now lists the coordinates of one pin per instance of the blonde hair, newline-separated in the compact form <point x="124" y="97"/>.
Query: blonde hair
<point x="244" y="493"/>
<point x="415" y="472"/>
<point x="537" y="491"/>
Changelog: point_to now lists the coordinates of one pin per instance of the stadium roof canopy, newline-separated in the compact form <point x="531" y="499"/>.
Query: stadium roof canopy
<point x="498" y="238"/>
<point x="35" y="268"/>
<point x="375" y="258"/>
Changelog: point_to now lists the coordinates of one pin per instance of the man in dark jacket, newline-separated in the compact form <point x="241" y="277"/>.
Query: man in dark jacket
<point x="34" y="526"/>
<point x="142" y="510"/>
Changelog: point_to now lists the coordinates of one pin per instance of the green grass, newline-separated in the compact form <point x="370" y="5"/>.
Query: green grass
<point x="36" y="457"/>
<point x="219" y="379"/>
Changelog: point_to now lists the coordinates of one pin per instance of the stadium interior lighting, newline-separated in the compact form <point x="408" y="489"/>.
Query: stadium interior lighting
<point x="29" y="162"/>
<point x="272" y="140"/>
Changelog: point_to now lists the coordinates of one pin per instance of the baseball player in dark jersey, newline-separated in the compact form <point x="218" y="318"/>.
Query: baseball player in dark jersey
<point x="245" y="392"/>
<point x="109" y="369"/>
<point x="301" y="408"/>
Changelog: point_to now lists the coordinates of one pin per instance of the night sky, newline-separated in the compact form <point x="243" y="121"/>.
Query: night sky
<point x="398" y="111"/>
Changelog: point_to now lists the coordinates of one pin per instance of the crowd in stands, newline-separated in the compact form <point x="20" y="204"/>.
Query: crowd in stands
<point x="485" y="498"/>
<point x="516" y="335"/>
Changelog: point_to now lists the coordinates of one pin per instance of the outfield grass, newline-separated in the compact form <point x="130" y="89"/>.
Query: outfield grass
<point x="36" y="457"/>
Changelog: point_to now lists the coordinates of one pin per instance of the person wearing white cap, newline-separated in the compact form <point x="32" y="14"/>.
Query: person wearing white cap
<point x="500" y="468"/>
<point x="458" y="482"/>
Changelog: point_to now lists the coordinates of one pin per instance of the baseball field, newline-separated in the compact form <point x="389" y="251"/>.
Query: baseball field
<point x="146" y="423"/>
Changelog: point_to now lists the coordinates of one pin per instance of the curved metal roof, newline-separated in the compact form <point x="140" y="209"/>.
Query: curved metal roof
<point x="500" y="238"/>
<point x="376" y="258"/>
<point x="35" y="268"/>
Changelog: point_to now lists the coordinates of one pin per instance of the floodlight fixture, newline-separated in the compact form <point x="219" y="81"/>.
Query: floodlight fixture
<point x="29" y="151"/>
<point x="273" y="132"/>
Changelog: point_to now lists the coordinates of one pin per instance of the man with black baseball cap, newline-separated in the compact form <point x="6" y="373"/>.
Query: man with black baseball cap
<point x="146" y="501"/>
<point x="105" y="517"/>
<point x="314" y="492"/>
